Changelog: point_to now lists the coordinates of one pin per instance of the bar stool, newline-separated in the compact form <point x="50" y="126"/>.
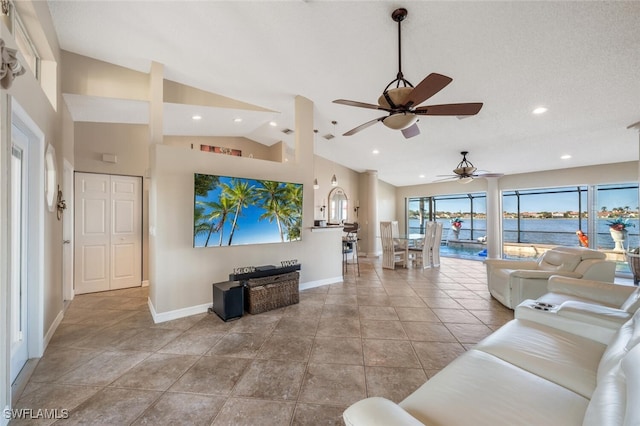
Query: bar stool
<point x="350" y="245"/>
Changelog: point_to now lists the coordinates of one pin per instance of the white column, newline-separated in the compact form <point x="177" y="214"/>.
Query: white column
<point x="372" y="213"/>
<point x="494" y="222"/>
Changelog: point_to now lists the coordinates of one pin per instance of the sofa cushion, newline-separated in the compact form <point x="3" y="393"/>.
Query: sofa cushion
<point x="480" y="389"/>
<point x="566" y="359"/>
<point x="632" y="303"/>
<point x="631" y="369"/>
<point x="553" y="260"/>
<point x="583" y="252"/>
<point x="626" y="338"/>
<point x="608" y="402"/>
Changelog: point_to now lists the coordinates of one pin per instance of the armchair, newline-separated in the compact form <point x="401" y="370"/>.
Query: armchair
<point x="512" y="281"/>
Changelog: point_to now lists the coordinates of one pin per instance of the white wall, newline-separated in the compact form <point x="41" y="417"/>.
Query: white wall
<point x="181" y="275"/>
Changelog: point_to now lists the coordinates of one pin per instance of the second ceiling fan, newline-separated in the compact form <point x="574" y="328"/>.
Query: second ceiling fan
<point x="401" y="102"/>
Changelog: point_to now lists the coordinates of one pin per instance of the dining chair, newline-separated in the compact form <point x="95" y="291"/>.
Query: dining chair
<point x="390" y="253"/>
<point x="421" y="253"/>
<point x="435" y="244"/>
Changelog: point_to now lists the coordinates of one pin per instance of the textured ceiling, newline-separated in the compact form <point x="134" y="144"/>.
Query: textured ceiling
<point x="579" y="59"/>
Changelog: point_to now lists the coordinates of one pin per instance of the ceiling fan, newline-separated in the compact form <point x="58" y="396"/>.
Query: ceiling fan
<point x="465" y="171"/>
<point x="402" y="102"/>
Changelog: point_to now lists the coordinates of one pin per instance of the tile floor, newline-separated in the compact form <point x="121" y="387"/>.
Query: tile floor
<point x="381" y="334"/>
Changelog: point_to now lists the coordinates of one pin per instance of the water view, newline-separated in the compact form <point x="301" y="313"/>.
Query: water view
<point x="556" y="231"/>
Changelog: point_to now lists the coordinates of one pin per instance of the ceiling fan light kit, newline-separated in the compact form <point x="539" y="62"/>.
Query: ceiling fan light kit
<point x="465" y="171"/>
<point x="401" y="102"/>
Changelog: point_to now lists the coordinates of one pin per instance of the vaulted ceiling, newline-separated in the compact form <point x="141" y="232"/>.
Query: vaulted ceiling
<point x="581" y="60"/>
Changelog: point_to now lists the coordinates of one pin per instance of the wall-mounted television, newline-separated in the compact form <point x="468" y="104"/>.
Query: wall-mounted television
<point x="231" y="211"/>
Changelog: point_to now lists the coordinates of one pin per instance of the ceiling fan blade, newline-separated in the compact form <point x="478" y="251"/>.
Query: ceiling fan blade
<point x="411" y="131"/>
<point x="429" y="86"/>
<point x="363" y="126"/>
<point x="445" y="179"/>
<point x="356" y="104"/>
<point x="489" y="175"/>
<point x="450" y="109"/>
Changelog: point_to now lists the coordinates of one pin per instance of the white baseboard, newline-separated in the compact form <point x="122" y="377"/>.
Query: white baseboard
<point x="52" y="330"/>
<point x="178" y="313"/>
<point x="145" y="283"/>
<point x="200" y="309"/>
<point x="318" y="283"/>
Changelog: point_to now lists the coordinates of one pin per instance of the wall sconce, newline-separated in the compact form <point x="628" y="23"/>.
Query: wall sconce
<point x="322" y="209"/>
<point x="61" y="205"/>
<point x="315" y="184"/>
<point x="357" y="207"/>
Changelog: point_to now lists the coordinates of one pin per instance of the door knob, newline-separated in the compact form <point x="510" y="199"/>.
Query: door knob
<point x="66" y="242"/>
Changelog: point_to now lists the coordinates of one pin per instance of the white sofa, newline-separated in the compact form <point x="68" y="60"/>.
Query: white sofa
<point x="571" y="303"/>
<point x="525" y="373"/>
<point x="512" y="281"/>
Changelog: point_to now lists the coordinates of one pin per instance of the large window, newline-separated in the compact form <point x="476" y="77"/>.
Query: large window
<point x="471" y="208"/>
<point x="612" y="202"/>
<point x="544" y="216"/>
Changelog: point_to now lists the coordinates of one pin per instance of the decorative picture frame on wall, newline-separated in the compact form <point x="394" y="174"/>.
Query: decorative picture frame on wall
<point x="221" y="150"/>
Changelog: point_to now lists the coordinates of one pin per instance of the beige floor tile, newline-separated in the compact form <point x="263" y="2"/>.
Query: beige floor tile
<point x="271" y="379"/>
<point x="334" y="311"/>
<point x="393" y="383"/>
<point x="427" y="331"/>
<point x="469" y="333"/>
<point x="212" y="376"/>
<point x="53" y="397"/>
<point x="416" y="314"/>
<point x="103" y="368"/>
<point x="285" y="347"/>
<point x="112" y="406"/>
<point x="436" y="355"/>
<point x="441" y="302"/>
<point x="316" y="415"/>
<point x="238" y="345"/>
<point x="59" y="360"/>
<point x="192" y="342"/>
<point x="298" y="326"/>
<point x="339" y="327"/>
<point x="149" y="340"/>
<point x="251" y="412"/>
<point x="337" y="350"/>
<point x="407" y="301"/>
<point x="182" y="409"/>
<point x="333" y="384"/>
<point x="389" y="353"/>
<point x="377" y="313"/>
<point x="456" y="316"/>
<point x="375" y="329"/>
<point x="157" y="372"/>
<point x="374" y="300"/>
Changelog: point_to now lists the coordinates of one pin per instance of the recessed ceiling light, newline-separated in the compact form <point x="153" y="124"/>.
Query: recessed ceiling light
<point x="375" y="151"/>
<point x="540" y="110"/>
<point x="196" y="117"/>
<point x="421" y="176"/>
<point x="237" y="120"/>
<point x="273" y="124"/>
<point x="565" y="157"/>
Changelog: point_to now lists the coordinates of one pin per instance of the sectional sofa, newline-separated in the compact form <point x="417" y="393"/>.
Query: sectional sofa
<point x="526" y="373"/>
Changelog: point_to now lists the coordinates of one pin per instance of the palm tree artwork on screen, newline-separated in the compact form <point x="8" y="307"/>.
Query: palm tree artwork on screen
<point x="249" y="211"/>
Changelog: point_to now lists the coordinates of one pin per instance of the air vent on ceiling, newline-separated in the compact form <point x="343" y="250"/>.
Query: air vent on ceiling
<point x="287" y="131"/>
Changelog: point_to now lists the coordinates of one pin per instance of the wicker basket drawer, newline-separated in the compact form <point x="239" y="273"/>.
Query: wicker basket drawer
<point x="267" y="293"/>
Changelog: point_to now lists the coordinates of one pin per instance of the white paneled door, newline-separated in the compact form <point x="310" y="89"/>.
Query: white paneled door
<point x="108" y="232"/>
